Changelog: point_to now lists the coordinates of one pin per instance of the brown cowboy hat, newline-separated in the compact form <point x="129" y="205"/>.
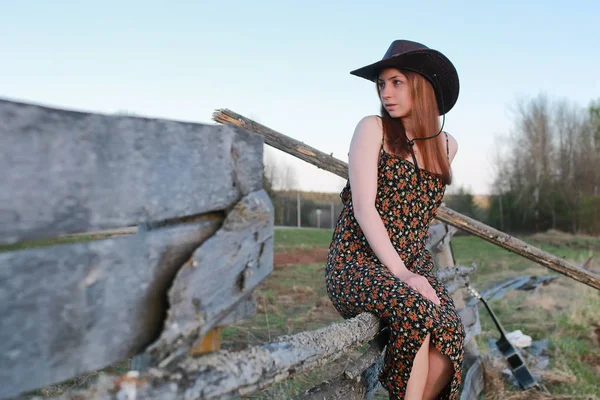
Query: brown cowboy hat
<point x="432" y="64"/>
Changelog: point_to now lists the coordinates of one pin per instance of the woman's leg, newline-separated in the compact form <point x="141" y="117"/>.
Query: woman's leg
<point x="439" y="374"/>
<point x="415" y="386"/>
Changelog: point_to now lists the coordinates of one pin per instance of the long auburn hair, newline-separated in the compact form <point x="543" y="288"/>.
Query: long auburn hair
<point x="425" y="122"/>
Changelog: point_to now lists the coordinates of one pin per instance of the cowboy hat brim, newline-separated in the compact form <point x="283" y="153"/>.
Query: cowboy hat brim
<point x="429" y="63"/>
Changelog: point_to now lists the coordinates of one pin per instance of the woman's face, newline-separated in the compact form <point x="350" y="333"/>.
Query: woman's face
<point x="394" y="93"/>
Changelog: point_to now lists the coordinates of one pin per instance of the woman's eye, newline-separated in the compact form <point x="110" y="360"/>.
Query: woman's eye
<point x="397" y="82"/>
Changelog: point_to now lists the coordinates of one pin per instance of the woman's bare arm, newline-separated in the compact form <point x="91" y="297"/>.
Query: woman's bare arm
<point x="362" y="169"/>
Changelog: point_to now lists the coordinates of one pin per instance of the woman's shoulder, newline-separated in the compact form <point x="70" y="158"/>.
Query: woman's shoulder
<point x="368" y="135"/>
<point x="370" y="125"/>
<point x="371" y="120"/>
<point x="452" y="146"/>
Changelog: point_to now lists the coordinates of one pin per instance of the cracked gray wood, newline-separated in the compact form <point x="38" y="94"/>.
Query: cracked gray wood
<point x="71" y="309"/>
<point x="221" y="272"/>
<point x="474" y="382"/>
<point x="358" y="381"/>
<point x="69" y="172"/>
<point x="440" y="235"/>
<point x="225" y="374"/>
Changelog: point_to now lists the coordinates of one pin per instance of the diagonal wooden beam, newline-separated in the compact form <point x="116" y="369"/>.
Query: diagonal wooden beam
<point x="445" y="214"/>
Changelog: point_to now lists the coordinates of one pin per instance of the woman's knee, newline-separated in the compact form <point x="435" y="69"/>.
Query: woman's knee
<point x="440" y="373"/>
<point x="439" y="359"/>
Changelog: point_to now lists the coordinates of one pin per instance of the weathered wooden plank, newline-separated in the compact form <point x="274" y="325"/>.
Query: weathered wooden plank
<point x="224" y="374"/>
<point x="470" y="317"/>
<point x="453" y="288"/>
<point x="471" y="351"/>
<point x="455" y="277"/>
<point x="340" y="168"/>
<point x="440" y="247"/>
<point x="450" y="273"/>
<point x="70" y="172"/>
<point x="357" y="382"/>
<point x="284" y="143"/>
<point x="244" y="308"/>
<point x="70" y="309"/>
<point x="439" y="236"/>
<point x="221" y="273"/>
<point x="474" y="382"/>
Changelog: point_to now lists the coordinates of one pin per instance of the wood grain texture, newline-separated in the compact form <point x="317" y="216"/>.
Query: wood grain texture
<point x="359" y="380"/>
<point x="440" y="235"/>
<point x="222" y="272"/>
<point x="67" y="172"/>
<point x="227" y="374"/>
<point x="474" y="382"/>
<point x="71" y="309"/>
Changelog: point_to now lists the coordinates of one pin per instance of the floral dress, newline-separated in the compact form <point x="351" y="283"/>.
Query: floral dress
<point x="358" y="282"/>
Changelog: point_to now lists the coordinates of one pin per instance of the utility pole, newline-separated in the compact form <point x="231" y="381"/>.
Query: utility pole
<point x="332" y="217"/>
<point x="298" y="207"/>
<point x="318" y="218"/>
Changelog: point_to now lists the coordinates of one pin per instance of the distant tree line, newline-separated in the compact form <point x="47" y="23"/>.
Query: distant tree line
<point x="548" y="174"/>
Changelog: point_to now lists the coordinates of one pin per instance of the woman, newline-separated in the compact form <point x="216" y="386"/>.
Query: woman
<point x="399" y="166"/>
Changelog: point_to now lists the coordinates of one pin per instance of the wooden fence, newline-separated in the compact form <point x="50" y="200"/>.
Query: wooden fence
<point x="203" y="241"/>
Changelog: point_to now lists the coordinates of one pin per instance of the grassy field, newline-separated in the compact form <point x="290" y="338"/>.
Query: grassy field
<point x="567" y="313"/>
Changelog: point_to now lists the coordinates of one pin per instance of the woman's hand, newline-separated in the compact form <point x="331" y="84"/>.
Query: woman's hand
<point x="420" y="284"/>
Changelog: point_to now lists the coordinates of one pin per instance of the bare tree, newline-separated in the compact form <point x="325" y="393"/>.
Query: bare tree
<point x="589" y="151"/>
<point x="550" y="167"/>
<point x="568" y="124"/>
<point x="281" y="174"/>
<point x="282" y="177"/>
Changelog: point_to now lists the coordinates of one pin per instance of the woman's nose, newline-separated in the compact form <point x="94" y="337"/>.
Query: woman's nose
<point x="385" y="92"/>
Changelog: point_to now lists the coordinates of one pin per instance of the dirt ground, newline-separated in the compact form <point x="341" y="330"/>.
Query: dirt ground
<point x="314" y="255"/>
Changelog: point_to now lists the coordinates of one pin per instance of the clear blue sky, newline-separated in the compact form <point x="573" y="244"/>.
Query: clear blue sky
<point x="287" y="64"/>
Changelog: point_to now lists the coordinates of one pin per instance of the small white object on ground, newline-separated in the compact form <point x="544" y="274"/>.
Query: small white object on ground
<point x="519" y="339"/>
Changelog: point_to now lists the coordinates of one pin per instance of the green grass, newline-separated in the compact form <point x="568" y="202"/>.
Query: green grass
<point x="290" y="238"/>
<point x="560" y="239"/>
